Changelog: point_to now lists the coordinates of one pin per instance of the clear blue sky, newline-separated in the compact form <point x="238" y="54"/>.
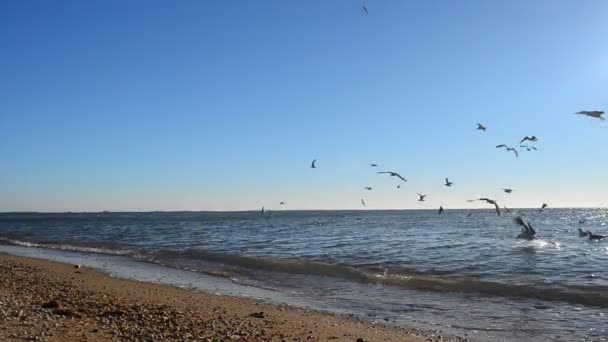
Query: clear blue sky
<point x="222" y="105"/>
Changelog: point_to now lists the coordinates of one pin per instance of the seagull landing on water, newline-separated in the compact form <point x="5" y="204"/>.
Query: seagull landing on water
<point x="394" y="174"/>
<point x="543" y="206"/>
<point x="489" y="201"/>
<point x="368" y="188"/>
<point x="481" y="127"/>
<point x="313" y="165"/>
<point x="527" y="138"/>
<point x="421" y="197"/>
<point x="507" y="190"/>
<point x="594" y="236"/>
<point x="598" y="114"/>
<point x="448" y="183"/>
<point x="527" y="232"/>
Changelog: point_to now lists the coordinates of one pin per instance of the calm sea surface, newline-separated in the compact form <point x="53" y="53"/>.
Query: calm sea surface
<point x="460" y="274"/>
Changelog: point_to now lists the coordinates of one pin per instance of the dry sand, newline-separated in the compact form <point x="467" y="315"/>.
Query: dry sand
<point x="47" y="301"/>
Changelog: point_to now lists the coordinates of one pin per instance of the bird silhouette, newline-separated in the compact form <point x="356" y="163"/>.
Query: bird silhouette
<point x="527" y="232"/>
<point x="527" y="138"/>
<point x="421" y="197"/>
<point x="440" y="210"/>
<point x="507" y="190"/>
<point x="489" y="201"/>
<point x="481" y="127"/>
<point x="598" y="114"/>
<point x="374" y="165"/>
<point x="282" y="203"/>
<point x="594" y="236"/>
<point x="314" y="164"/>
<point x="543" y="206"/>
<point x="394" y="174"/>
<point x="448" y="183"/>
<point x="363" y="202"/>
<point x="369" y="188"/>
<point x="365" y="9"/>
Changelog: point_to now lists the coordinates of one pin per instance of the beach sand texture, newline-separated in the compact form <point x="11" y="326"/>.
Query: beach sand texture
<point x="48" y="301"/>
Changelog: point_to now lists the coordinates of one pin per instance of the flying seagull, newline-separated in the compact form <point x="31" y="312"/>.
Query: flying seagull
<point x="398" y="186"/>
<point x="282" y="203"/>
<point x="374" y="165"/>
<point x="369" y="188"/>
<point x="448" y="183"/>
<point x="481" y="127"/>
<point x="527" y="138"/>
<point x="542" y="207"/>
<point x="363" y="202"/>
<point x="507" y="148"/>
<point x="365" y="9"/>
<point x="527" y="232"/>
<point x="314" y="164"/>
<point x="598" y="114"/>
<point x="440" y="210"/>
<point x="394" y="174"/>
<point x="421" y="197"/>
<point x="507" y="190"/>
<point x="489" y="201"/>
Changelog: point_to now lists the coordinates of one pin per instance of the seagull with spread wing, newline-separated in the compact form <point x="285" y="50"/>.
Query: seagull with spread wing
<point x="489" y="201"/>
<point x="527" y="138"/>
<point x="394" y="174"/>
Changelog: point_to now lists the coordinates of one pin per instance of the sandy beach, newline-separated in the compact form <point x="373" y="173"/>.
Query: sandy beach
<point x="48" y="301"/>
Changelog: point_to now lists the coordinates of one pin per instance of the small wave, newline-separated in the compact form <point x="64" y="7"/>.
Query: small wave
<point x="229" y="266"/>
<point x="66" y="247"/>
<point x="404" y="278"/>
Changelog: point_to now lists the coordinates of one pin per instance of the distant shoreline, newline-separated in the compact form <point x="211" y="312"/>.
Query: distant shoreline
<point x="277" y="210"/>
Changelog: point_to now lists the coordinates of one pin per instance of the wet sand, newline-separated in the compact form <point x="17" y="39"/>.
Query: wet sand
<point x="47" y="301"/>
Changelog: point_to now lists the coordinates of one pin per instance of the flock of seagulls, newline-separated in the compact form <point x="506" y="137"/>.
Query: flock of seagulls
<point x="527" y="231"/>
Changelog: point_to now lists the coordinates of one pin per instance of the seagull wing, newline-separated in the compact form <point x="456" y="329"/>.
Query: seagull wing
<point x="399" y="176"/>
<point x="497" y="208"/>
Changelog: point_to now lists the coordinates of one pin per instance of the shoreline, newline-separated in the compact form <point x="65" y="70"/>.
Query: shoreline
<point x="86" y="304"/>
